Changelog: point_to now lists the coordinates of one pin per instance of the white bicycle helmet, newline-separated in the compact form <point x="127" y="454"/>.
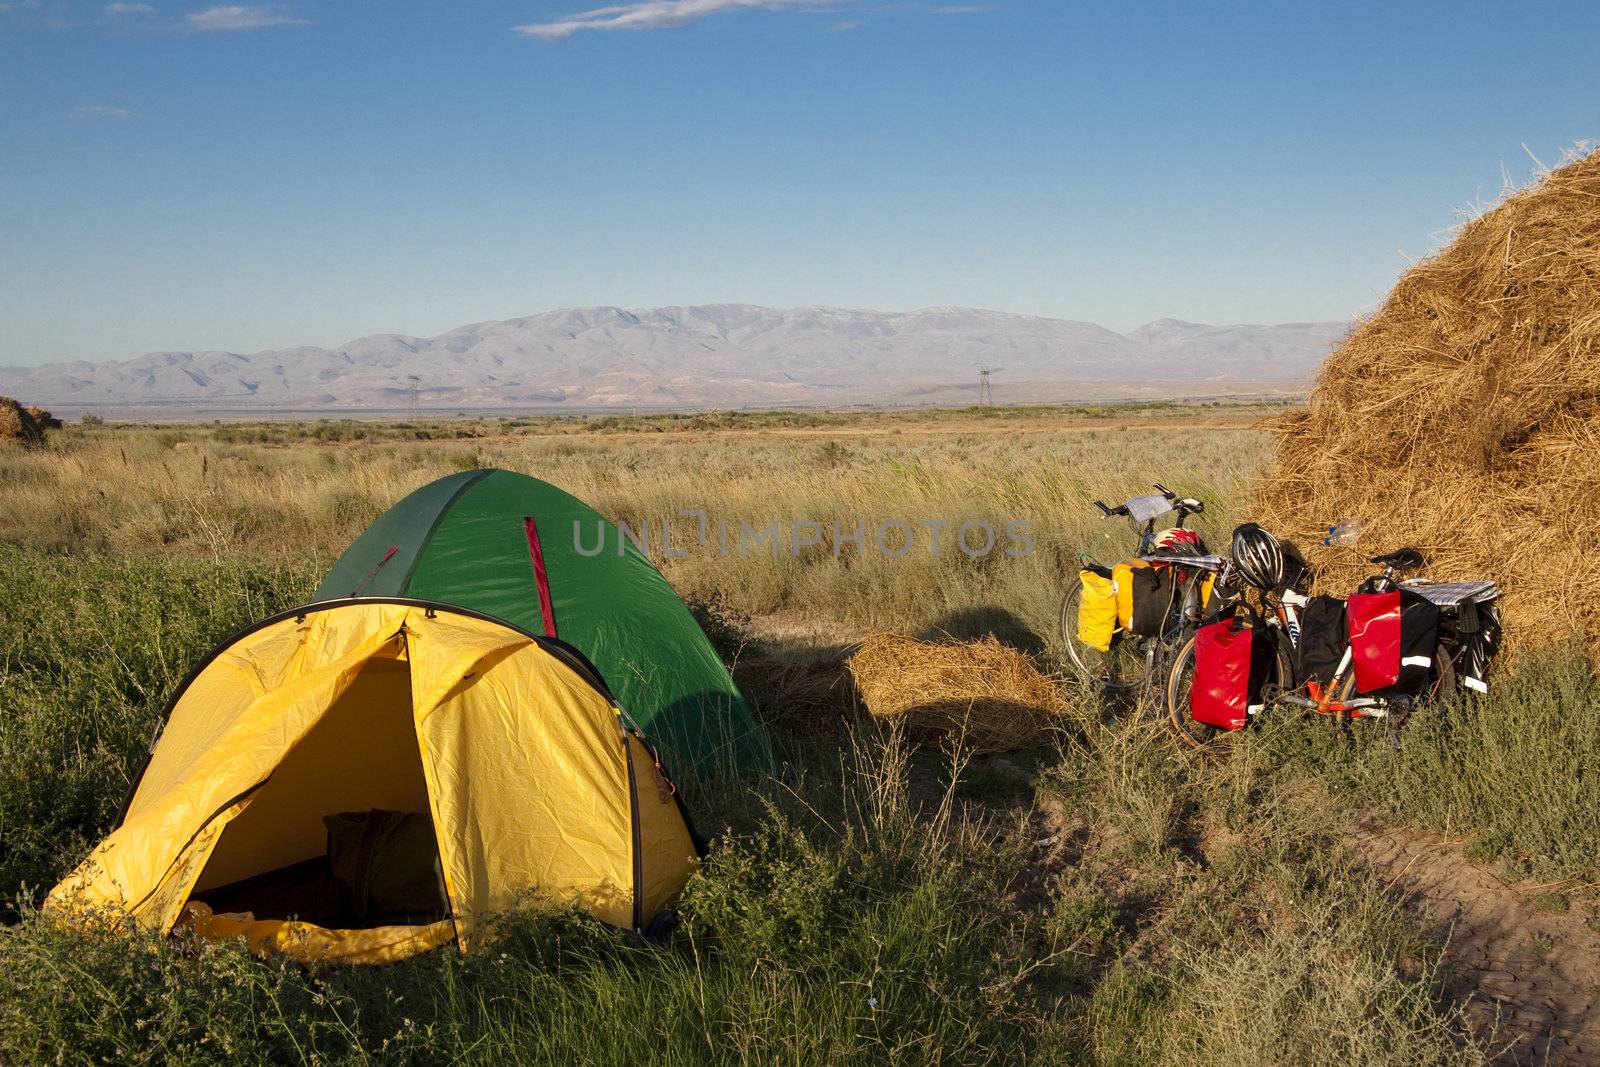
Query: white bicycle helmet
<point x="1259" y="557"/>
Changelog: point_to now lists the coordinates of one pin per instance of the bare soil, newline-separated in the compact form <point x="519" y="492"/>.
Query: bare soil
<point x="1525" y="961"/>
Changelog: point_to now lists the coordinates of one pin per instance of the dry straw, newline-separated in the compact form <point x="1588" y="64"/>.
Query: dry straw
<point x="984" y="694"/>
<point x="1464" y="417"/>
<point x="23" y="425"/>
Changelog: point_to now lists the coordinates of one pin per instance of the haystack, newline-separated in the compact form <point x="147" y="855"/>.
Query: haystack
<point x="987" y="695"/>
<point x="18" y="424"/>
<point x="1464" y="417"/>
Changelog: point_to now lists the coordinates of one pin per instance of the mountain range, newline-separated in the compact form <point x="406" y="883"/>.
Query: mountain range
<point x="720" y="355"/>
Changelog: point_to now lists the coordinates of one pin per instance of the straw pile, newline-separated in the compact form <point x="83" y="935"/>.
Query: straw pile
<point x="986" y="695"/>
<point x="23" y="425"/>
<point x="1464" y="417"/>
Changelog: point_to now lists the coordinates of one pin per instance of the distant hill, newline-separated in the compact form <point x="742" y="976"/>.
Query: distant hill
<point x="723" y="355"/>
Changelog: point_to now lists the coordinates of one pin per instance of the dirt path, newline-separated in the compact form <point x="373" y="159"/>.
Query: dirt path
<point x="1529" y="975"/>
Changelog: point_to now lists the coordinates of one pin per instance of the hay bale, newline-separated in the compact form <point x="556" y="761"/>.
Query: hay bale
<point x="987" y="694"/>
<point x="42" y="418"/>
<point x="18" y="425"/>
<point x="1463" y="418"/>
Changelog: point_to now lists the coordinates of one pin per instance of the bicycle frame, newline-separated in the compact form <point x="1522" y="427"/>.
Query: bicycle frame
<point x="1319" y="698"/>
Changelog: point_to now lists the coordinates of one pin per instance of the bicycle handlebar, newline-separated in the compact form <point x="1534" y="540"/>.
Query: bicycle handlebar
<point x="1184" y="506"/>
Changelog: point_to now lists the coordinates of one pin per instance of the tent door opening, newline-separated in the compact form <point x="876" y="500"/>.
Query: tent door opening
<point x="340" y="836"/>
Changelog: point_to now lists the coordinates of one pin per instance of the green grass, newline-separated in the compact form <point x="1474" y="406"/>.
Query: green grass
<point x="1511" y="772"/>
<point x="797" y="945"/>
<point x="1109" y="900"/>
<point x="884" y="906"/>
<point x="91" y="650"/>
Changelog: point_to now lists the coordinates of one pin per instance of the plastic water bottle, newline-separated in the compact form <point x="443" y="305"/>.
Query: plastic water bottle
<point x="1345" y="532"/>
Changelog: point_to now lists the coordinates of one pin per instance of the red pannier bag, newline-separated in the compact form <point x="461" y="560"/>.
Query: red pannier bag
<point x="1393" y="638"/>
<point x="1231" y="661"/>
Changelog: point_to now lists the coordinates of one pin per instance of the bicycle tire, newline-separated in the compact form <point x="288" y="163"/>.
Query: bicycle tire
<point x="1198" y="736"/>
<point x="1089" y="663"/>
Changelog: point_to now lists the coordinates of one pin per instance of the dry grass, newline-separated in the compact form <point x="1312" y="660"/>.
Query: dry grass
<point x="202" y="491"/>
<point x="983" y="695"/>
<point x="1464" y="417"/>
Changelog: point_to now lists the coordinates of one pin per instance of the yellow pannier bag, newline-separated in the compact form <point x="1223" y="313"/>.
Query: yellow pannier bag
<point x="1097" y="609"/>
<point x="1122" y="575"/>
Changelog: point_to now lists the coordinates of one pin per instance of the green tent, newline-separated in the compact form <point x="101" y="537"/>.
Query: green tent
<point x="525" y="552"/>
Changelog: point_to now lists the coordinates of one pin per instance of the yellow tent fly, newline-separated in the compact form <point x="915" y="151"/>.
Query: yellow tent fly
<point x="364" y="779"/>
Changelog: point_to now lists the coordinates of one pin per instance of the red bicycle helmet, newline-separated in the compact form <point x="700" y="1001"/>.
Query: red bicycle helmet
<point x="1180" y="542"/>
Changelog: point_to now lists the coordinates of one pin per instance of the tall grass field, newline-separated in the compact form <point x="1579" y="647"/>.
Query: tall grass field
<point x="1104" y="899"/>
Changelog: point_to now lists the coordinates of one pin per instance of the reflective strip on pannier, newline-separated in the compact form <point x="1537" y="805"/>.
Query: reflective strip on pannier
<point x="1097" y="609"/>
<point x="1231" y="661"/>
<point x="1393" y="637"/>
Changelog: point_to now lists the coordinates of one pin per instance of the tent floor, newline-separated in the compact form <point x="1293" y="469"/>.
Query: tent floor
<point x="300" y="891"/>
<point x="305" y="892"/>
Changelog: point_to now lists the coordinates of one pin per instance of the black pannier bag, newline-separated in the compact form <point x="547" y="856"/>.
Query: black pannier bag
<point x="385" y="868"/>
<point x="1323" y="639"/>
<point x="1468" y="615"/>
<point x="1153" y="589"/>
<point x="1479" y="648"/>
<point x="1232" y="661"/>
<point x="1393" y="638"/>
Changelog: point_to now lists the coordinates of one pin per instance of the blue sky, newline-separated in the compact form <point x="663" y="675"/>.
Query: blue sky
<point x="189" y="176"/>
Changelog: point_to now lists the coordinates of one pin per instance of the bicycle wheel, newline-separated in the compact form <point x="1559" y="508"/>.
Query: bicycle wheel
<point x="1119" y="668"/>
<point x="1180" y="684"/>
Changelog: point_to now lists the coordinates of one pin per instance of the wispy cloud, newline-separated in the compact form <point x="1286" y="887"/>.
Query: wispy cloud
<point x="654" y="15"/>
<point x="240" y="17"/>
<point x="130" y="9"/>
<point x="99" y="111"/>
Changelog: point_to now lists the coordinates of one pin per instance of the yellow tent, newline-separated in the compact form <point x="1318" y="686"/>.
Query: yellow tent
<point x="379" y="715"/>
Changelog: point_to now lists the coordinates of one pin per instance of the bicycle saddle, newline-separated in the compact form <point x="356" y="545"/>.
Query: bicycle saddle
<point x="1401" y="559"/>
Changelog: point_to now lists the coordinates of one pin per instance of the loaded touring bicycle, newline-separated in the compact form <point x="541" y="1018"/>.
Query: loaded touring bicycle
<point x="1120" y="624"/>
<point x="1394" y="645"/>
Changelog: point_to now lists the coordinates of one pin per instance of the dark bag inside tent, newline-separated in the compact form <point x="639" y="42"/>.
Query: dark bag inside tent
<point x="381" y="868"/>
<point x="385" y="868"/>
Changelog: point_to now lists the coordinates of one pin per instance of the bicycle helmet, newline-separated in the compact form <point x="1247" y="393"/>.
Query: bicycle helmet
<point x="1259" y="557"/>
<point x="1180" y="542"/>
